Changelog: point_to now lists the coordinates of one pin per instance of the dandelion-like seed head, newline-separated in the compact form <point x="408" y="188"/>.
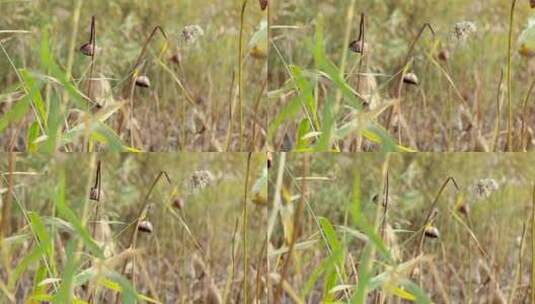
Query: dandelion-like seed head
<point x="192" y="33"/>
<point x="485" y="187"/>
<point x="200" y="180"/>
<point x="464" y="29"/>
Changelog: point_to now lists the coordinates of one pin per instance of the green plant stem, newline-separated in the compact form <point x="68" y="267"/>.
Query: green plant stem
<point x="509" y="80"/>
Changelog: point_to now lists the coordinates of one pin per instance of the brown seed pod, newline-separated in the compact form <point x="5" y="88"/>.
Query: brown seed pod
<point x="178" y="203"/>
<point x="464" y="209"/>
<point x="410" y="78"/>
<point x="532" y="3"/>
<point x="143" y="81"/>
<point x="263" y="4"/>
<point x="432" y="232"/>
<point x="176" y="58"/>
<point x="358" y="46"/>
<point x="145" y="226"/>
<point x="88" y="49"/>
<point x="93" y="194"/>
<point x="269" y="159"/>
<point x="444" y="55"/>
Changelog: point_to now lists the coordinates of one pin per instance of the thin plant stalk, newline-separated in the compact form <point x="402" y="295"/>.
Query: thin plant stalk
<point x="240" y="73"/>
<point x="510" y="81"/>
<point x="525" y="112"/>
<point x="295" y="232"/>
<point x="245" y="223"/>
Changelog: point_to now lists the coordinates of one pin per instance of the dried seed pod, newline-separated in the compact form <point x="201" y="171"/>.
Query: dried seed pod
<point x="464" y="208"/>
<point x="532" y="3"/>
<point x="176" y="58"/>
<point x="358" y="46"/>
<point x="178" y="203"/>
<point x="93" y="194"/>
<point x="145" y="226"/>
<point x="410" y="78"/>
<point x="88" y="49"/>
<point x="444" y="54"/>
<point x="269" y="159"/>
<point x="263" y="4"/>
<point x="432" y="232"/>
<point x="143" y="81"/>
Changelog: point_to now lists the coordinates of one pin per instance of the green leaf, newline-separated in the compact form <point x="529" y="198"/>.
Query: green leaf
<point x="286" y="113"/>
<point x="324" y="142"/>
<point x="15" y="113"/>
<point x="33" y="133"/>
<point x="35" y="95"/>
<point x="71" y="217"/>
<point x="65" y="292"/>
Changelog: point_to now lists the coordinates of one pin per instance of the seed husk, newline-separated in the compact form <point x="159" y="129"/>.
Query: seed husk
<point x="432" y="232"/>
<point x="463" y="209"/>
<point x="176" y="58"/>
<point x="358" y="46"/>
<point x="143" y="81"/>
<point x="88" y="49"/>
<point x="178" y="203"/>
<point x="93" y="194"/>
<point x="145" y="226"/>
<point x="263" y="4"/>
<point x="269" y="160"/>
<point x="410" y="78"/>
<point x="444" y="54"/>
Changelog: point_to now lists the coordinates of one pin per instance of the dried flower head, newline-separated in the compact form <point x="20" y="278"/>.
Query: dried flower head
<point x="358" y="46"/>
<point x="462" y="30"/>
<point x="444" y="55"/>
<point x="484" y="187"/>
<point x="269" y="159"/>
<point x="143" y="81"/>
<point x="93" y="194"/>
<point x="410" y="78"/>
<point x="432" y="232"/>
<point x="145" y="226"/>
<point x="463" y="208"/>
<point x="263" y="4"/>
<point x="176" y="58"/>
<point x="88" y="49"/>
<point x="200" y="180"/>
<point x="178" y="203"/>
<point x="192" y="33"/>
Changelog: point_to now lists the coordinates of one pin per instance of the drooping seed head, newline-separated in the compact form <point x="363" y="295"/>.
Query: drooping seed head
<point x="143" y="81"/>
<point x="176" y="58"/>
<point x="145" y="226"/>
<point x="464" y="208"/>
<point x="269" y="159"/>
<point x="432" y="232"/>
<point x="178" y="203"/>
<point x="88" y="49"/>
<point x="444" y="55"/>
<point x="410" y="78"/>
<point x="358" y="46"/>
<point x="263" y="4"/>
<point x="93" y="194"/>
